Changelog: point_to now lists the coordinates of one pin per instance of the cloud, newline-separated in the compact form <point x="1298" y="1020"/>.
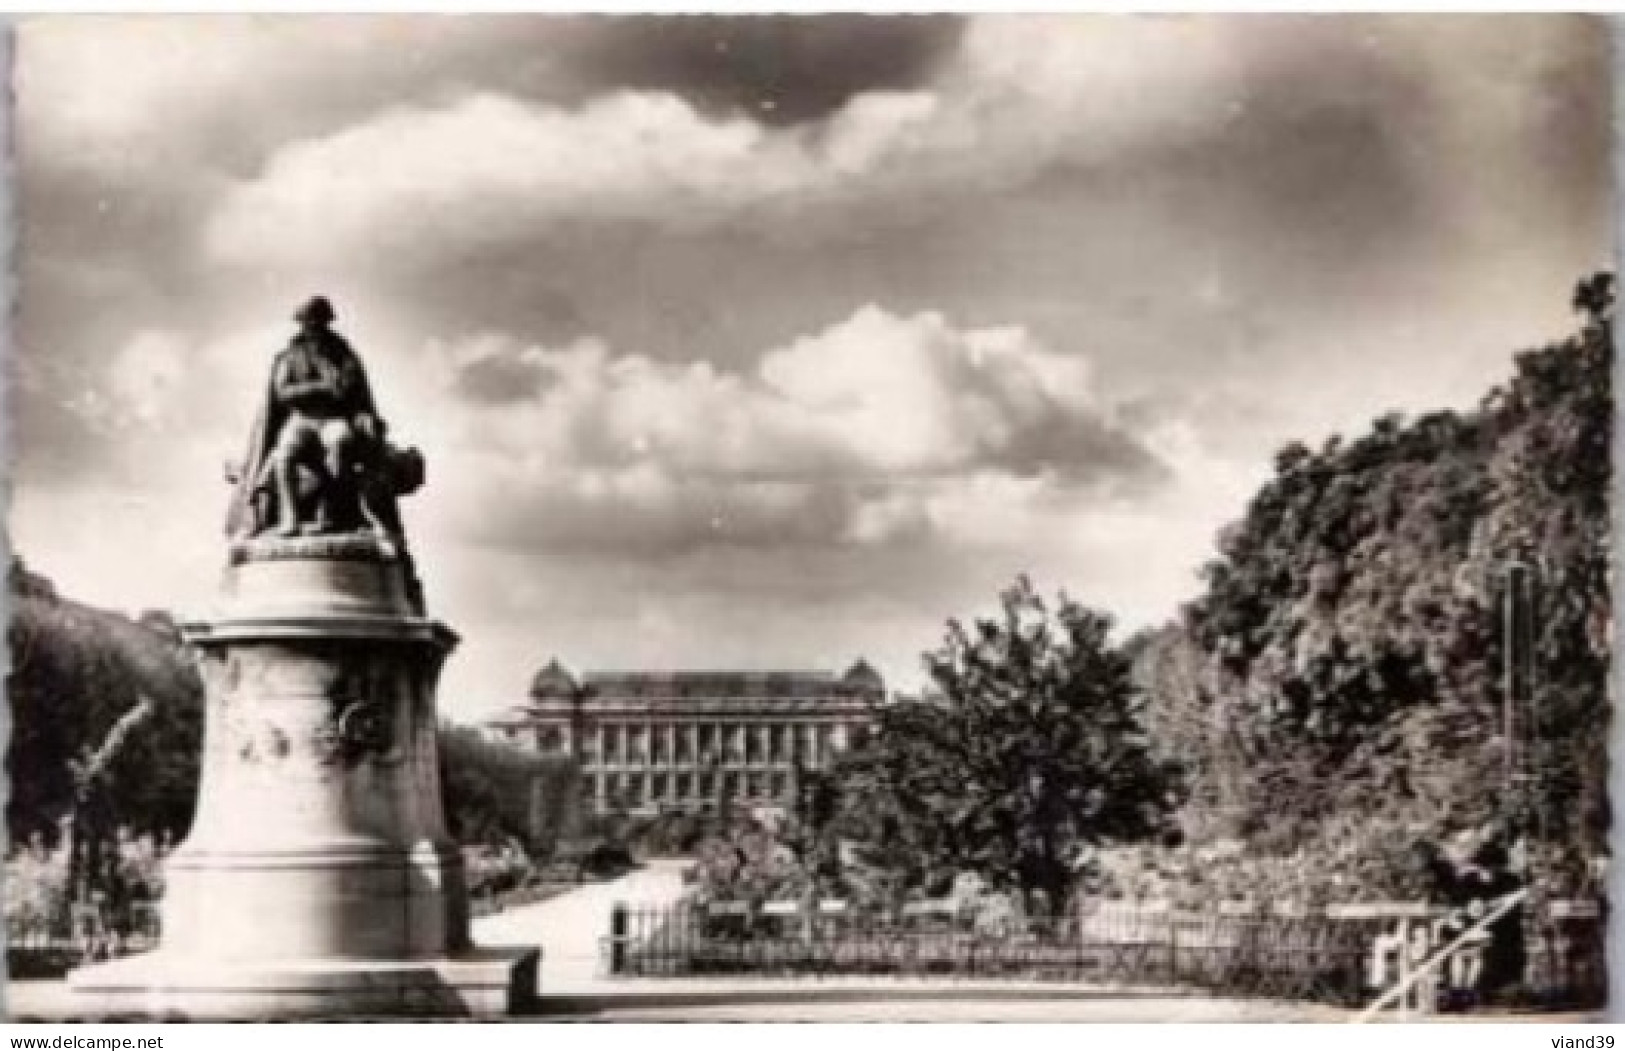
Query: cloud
<point x="881" y="429"/>
<point x="1023" y="94"/>
<point x="919" y="557"/>
<point x="144" y="374"/>
<point x="1098" y="86"/>
<point x="184" y="84"/>
<point x="219" y="91"/>
<point x="476" y="172"/>
<point x="1021" y="97"/>
<point x="780" y="70"/>
<point x="877" y="428"/>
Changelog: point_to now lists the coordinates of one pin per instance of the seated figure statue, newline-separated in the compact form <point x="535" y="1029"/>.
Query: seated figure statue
<point x="318" y="461"/>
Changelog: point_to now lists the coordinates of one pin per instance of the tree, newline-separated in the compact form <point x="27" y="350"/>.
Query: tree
<point x="492" y="790"/>
<point x="75" y="672"/>
<point x="1030" y="752"/>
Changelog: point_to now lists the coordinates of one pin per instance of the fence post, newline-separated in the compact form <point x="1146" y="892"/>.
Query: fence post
<point x="617" y="938"/>
<point x="1173" y="948"/>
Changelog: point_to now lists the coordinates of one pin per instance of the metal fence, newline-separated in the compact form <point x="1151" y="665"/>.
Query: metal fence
<point x="1305" y="956"/>
<point x="1273" y="956"/>
<point x="1568" y="955"/>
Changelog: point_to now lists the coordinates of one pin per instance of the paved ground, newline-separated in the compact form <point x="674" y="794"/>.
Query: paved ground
<point x="1107" y="1009"/>
<point x="872" y="1000"/>
<point x="570" y="927"/>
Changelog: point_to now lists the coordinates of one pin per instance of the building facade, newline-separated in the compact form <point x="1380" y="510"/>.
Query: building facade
<point x="648" y="741"/>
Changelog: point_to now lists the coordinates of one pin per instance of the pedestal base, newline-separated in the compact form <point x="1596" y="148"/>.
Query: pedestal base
<point x="485" y="983"/>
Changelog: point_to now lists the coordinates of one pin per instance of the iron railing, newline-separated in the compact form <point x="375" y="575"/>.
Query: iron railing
<point x="1268" y="956"/>
<point x="1321" y="956"/>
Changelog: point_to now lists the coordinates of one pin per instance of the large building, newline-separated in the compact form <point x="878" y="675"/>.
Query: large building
<point x="647" y="741"/>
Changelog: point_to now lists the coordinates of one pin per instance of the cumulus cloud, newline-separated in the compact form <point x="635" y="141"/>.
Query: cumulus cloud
<point x="484" y="168"/>
<point x="1023" y="94"/>
<point x="879" y="427"/>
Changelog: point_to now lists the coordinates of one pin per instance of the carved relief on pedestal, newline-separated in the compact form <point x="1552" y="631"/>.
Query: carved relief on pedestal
<point x="263" y="742"/>
<point x="361" y="725"/>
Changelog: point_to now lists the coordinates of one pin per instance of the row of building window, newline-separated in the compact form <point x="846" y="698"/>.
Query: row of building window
<point x="637" y="790"/>
<point x="687" y="743"/>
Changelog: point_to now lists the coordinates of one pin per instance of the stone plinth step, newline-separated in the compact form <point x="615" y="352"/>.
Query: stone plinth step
<point x="484" y="983"/>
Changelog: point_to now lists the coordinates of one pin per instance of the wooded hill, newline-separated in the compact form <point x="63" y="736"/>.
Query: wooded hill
<point x="1337" y="686"/>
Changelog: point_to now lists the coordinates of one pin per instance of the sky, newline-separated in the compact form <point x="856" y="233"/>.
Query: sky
<point x="773" y="342"/>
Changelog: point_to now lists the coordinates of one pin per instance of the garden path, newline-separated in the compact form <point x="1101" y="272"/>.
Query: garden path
<point x="571" y="927"/>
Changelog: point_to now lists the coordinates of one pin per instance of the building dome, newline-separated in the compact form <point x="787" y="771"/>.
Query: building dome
<point x="862" y="678"/>
<point x="553" y="681"/>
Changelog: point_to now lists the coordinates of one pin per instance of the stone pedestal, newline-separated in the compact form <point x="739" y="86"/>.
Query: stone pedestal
<point x="318" y="879"/>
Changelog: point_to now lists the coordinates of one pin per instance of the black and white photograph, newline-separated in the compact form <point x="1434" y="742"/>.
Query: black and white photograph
<point x="810" y="518"/>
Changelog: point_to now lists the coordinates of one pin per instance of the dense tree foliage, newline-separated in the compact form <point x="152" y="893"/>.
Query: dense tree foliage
<point x="75" y="672"/>
<point x="496" y="792"/>
<point x="1346" y="655"/>
<point x="1029" y="754"/>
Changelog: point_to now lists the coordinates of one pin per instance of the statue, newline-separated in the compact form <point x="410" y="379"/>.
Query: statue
<point x="319" y="462"/>
<point x="343" y="892"/>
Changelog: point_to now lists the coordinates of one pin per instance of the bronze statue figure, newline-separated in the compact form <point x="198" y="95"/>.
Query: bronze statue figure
<point x="319" y="462"/>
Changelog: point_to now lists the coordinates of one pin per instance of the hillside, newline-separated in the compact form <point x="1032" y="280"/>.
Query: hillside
<point x="1336" y="689"/>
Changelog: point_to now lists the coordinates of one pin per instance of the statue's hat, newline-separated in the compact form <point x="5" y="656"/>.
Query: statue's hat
<point x="318" y="311"/>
